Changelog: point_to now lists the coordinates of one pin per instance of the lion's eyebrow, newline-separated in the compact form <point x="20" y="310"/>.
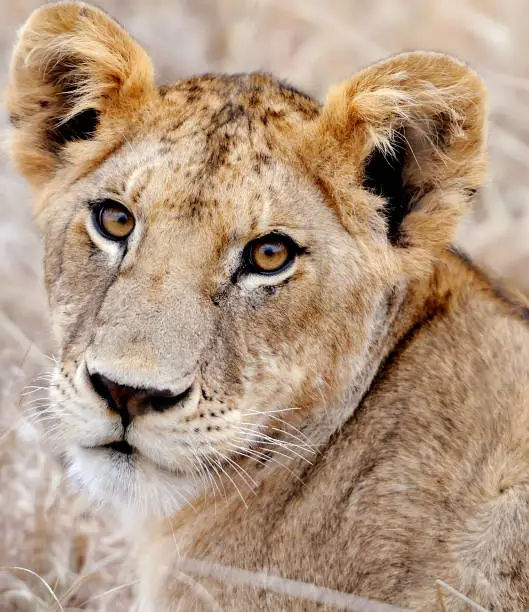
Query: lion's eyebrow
<point x="138" y="182"/>
<point x="113" y="193"/>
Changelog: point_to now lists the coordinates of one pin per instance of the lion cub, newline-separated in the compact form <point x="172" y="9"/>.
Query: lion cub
<point x="269" y="354"/>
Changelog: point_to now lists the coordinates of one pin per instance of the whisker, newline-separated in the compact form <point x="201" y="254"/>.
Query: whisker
<point x="291" y="450"/>
<point x="206" y="474"/>
<point x="34" y="400"/>
<point x="287" y="433"/>
<point x="243" y="473"/>
<point x="221" y="468"/>
<point x="219" y="477"/>
<point x="31" y="390"/>
<point x="264" y="458"/>
<point x="212" y="479"/>
<point x="302" y="445"/>
<point x="267" y="412"/>
<point x="266" y="439"/>
<point x="36" y="408"/>
<point x="286" y="423"/>
<point x="269" y="458"/>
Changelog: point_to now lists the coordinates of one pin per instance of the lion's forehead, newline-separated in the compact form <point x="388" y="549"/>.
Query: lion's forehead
<point x="166" y="188"/>
<point x="210" y="147"/>
<point x="245" y="98"/>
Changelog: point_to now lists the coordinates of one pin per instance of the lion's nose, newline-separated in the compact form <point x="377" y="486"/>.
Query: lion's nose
<point x="131" y="402"/>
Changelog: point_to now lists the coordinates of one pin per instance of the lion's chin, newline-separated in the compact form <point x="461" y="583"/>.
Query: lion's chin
<point x="130" y="481"/>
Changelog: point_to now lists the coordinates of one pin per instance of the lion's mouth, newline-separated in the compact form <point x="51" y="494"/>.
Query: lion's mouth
<point x="120" y="446"/>
<point x="124" y="451"/>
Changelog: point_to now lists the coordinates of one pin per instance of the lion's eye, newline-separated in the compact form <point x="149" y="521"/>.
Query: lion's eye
<point x="270" y="254"/>
<point x="113" y="220"/>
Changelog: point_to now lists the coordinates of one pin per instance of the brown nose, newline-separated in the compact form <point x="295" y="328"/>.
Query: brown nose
<point x="130" y="402"/>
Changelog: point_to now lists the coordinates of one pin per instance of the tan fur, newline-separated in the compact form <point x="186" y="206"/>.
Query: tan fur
<point x="359" y="421"/>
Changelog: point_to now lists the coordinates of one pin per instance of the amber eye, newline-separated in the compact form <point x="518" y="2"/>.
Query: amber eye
<point x="270" y="254"/>
<point x="113" y="220"/>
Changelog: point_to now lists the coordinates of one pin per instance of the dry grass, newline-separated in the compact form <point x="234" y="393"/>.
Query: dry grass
<point x="44" y="527"/>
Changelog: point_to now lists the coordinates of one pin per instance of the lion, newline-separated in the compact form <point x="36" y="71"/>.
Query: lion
<point x="270" y="355"/>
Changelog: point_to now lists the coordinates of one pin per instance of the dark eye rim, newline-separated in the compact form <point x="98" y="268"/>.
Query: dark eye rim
<point x="97" y="211"/>
<point x="293" y="250"/>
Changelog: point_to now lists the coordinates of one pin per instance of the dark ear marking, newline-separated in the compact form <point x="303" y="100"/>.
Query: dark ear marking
<point x="288" y="88"/>
<point x="80" y="127"/>
<point x="384" y="176"/>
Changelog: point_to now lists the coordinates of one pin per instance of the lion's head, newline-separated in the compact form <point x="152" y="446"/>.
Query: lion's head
<point x="221" y="255"/>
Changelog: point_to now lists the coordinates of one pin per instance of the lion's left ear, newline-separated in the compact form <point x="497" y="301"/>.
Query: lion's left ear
<point x="76" y="77"/>
<point x="412" y="131"/>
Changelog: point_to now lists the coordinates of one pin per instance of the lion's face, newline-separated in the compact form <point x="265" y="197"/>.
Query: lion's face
<point x="221" y="254"/>
<point x="234" y="302"/>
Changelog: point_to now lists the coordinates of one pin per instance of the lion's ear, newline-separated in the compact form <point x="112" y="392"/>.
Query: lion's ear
<point x="72" y="68"/>
<point x="414" y="129"/>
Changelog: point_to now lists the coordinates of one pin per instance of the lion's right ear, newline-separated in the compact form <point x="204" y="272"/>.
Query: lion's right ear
<point x="403" y="142"/>
<point x="75" y="74"/>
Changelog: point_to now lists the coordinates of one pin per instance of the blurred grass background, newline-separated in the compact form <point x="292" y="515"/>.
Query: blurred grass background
<point x="312" y="43"/>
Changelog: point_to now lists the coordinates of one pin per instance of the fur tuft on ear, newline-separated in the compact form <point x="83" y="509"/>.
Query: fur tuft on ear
<point x="410" y="130"/>
<point x="72" y="65"/>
